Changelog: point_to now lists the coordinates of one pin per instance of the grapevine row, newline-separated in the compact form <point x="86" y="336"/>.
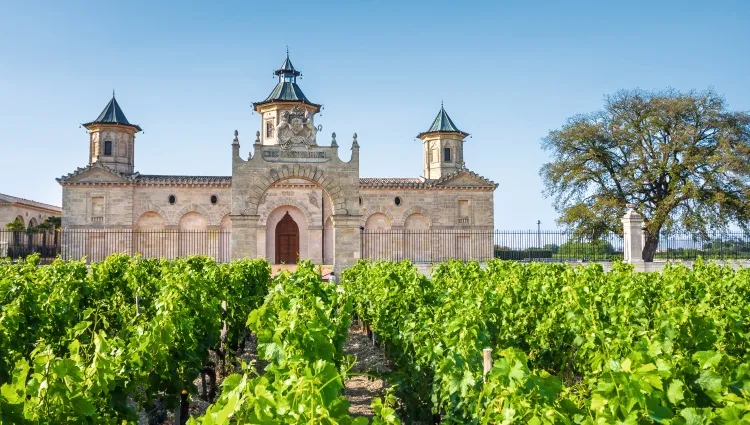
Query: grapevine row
<point x="571" y="344"/>
<point x="301" y="329"/>
<point x="130" y="335"/>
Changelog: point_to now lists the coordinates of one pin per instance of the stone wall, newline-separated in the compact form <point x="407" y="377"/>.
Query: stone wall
<point x="188" y="198"/>
<point x="439" y="206"/>
<point x="459" y="221"/>
<point x="97" y="206"/>
<point x="105" y="215"/>
<point x="8" y="213"/>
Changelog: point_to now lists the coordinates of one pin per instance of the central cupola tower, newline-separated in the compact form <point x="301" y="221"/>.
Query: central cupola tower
<point x="287" y="115"/>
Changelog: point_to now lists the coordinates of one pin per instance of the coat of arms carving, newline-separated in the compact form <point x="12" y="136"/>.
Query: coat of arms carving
<point x="296" y="128"/>
<point x="313" y="198"/>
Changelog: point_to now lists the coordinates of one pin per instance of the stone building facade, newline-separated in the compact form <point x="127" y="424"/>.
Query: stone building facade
<point x="27" y="212"/>
<point x="291" y="198"/>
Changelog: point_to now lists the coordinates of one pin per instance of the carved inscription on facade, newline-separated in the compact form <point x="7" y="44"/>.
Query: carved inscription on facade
<point x="293" y="155"/>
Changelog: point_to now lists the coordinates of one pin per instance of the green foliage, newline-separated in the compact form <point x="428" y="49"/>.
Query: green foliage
<point x="301" y="329"/>
<point x="73" y="349"/>
<point x="571" y="345"/>
<point x="591" y="250"/>
<point x="682" y="159"/>
<point x="15" y="226"/>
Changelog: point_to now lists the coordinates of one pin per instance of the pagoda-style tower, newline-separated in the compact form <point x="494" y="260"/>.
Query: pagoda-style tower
<point x="285" y="101"/>
<point x="112" y="139"/>
<point x="443" y="147"/>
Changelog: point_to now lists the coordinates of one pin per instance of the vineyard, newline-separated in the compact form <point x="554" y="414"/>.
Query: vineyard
<point x="132" y="340"/>
<point x="570" y="345"/>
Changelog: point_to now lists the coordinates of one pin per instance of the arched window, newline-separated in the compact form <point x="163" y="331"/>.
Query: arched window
<point x="447" y="154"/>
<point x="108" y="148"/>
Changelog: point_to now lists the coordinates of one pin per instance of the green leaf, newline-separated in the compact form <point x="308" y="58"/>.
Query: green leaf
<point x="676" y="391"/>
<point x="695" y="416"/>
<point x="84" y="407"/>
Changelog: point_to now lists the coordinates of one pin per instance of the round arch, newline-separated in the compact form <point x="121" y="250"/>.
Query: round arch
<point x="378" y="221"/>
<point x="149" y="220"/>
<point x="192" y="221"/>
<point x="377" y="210"/>
<point x="416" y="210"/>
<point x="218" y="218"/>
<point x="273" y="219"/>
<point x="153" y="208"/>
<point x="270" y="207"/>
<point x="187" y="209"/>
<point x="226" y="222"/>
<point x="310" y="173"/>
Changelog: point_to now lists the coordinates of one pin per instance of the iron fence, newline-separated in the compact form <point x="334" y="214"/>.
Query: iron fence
<point x="19" y="244"/>
<point x="525" y="245"/>
<point x="709" y="246"/>
<point x="97" y="244"/>
<point x="426" y="246"/>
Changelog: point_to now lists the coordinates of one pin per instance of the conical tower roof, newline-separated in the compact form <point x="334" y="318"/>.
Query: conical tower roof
<point x="287" y="89"/>
<point x="112" y="114"/>
<point x="443" y="124"/>
<point x="287" y="67"/>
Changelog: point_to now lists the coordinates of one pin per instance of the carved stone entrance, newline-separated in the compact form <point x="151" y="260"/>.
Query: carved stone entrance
<point x="287" y="240"/>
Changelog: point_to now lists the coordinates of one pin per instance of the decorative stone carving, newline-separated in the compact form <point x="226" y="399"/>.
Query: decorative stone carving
<point x="296" y="128"/>
<point x="313" y="197"/>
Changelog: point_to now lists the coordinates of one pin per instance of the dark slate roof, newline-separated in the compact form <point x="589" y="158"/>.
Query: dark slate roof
<point x="161" y="179"/>
<point x="443" y="124"/>
<point x="286" y="89"/>
<point x="139" y="178"/>
<point x="7" y="199"/>
<point x="420" y="183"/>
<point x="391" y="182"/>
<point x="112" y="114"/>
<point x="287" y="67"/>
<point x="448" y="177"/>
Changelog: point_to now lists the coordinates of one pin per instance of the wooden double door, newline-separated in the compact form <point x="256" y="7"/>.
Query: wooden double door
<point x="287" y="240"/>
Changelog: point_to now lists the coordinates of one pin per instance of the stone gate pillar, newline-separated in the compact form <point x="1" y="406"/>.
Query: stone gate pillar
<point x="632" y="234"/>
<point x="244" y="236"/>
<point x="346" y="236"/>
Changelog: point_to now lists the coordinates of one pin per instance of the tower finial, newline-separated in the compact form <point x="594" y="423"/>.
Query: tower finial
<point x="287" y="50"/>
<point x="113" y="93"/>
<point x="441" y="103"/>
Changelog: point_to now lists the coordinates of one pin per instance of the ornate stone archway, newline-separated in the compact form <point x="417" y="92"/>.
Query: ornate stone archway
<point x="270" y="164"/>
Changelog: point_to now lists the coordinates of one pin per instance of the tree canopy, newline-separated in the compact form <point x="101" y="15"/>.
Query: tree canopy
<point x="683" y="160"/>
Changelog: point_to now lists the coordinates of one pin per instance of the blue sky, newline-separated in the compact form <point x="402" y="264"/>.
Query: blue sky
<point x="187" y="72"/>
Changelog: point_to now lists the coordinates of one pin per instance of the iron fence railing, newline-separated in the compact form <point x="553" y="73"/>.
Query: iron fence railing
<point x="709" y="246"/>
<point x="19" y="244"/>
<point x="426" y="246"/>
<point x="96" y="244"/>
<point x="525" y="245"/>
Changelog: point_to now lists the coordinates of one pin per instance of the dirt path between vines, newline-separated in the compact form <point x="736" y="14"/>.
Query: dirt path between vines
<point x="361" y="390"/>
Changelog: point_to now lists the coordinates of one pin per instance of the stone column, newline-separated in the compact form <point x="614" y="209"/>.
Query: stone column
<point x="244" y="236"/>
<point x="346" y="237"/>
<point x="632" y="234"/>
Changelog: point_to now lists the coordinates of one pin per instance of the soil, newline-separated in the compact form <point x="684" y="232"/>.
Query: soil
<point x="361" y="389"/>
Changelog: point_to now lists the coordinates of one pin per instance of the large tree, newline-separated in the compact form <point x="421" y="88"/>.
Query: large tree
<point x="682" y="159"/>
